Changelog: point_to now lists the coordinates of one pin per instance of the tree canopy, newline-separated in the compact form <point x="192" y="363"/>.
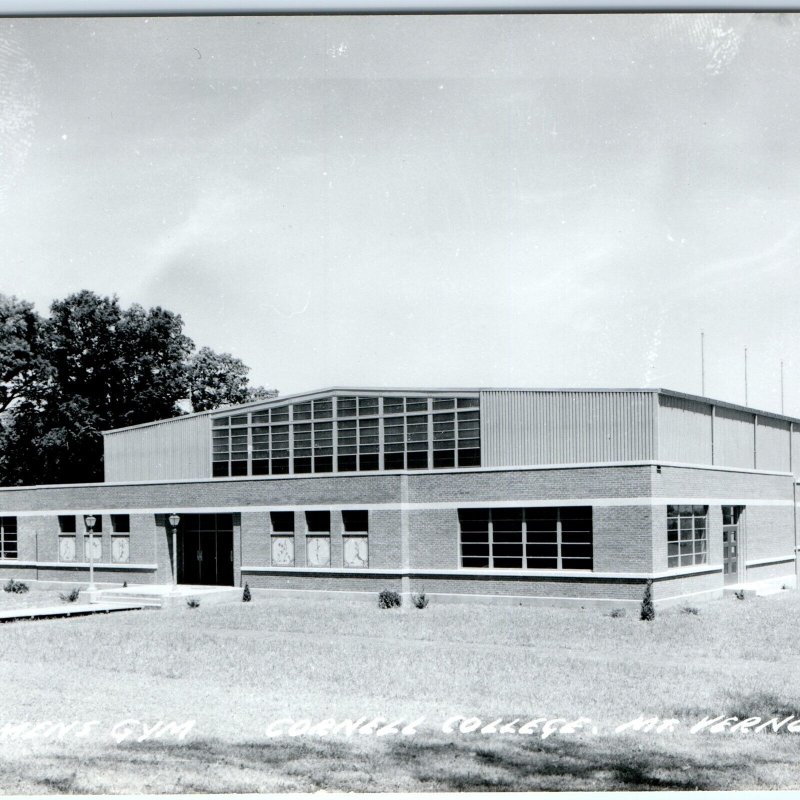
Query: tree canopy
<point x="91" y="366"/>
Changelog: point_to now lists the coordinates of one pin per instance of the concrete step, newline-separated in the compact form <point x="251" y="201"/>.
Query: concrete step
<point x="161" y="596"/>
<point x="760" y="588"/>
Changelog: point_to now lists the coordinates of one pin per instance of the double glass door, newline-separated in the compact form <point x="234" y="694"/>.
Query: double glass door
<point x="205" y="550"/>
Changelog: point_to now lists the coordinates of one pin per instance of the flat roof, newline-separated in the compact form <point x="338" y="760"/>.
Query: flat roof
<point x="335" y="390"/>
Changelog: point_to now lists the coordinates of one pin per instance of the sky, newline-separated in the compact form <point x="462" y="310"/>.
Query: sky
<point x="439" y="201"/>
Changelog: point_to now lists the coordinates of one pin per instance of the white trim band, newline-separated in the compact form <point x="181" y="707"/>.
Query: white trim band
<point x="681" y="572"/>
<point x="520" y="502"/>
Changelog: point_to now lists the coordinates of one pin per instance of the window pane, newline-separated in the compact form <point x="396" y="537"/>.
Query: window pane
<point x="355" y="521"/>
<point x="392" y="405"/>
<point x="317" y="521"/>
<point x="301" y="411"/>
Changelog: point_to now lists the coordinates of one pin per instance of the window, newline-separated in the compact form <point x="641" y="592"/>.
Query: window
<point x="323" y="446"/>
<point x="8" y="537"/>
<point x="66" y="548"/>
<point x="687" y="540"/>
<point x="355" y="521"/>
<point x="259" y="437"/>
<point x="120" y="549"/>
<point x="526" y="538"/>
<point x="282" y="521"/>
<point x="66" y="523"/>
<point x="417" y="441"/>
<point x="301" y="411"/>
<point x="318" y="521"/>
<point x="229" y="446"/>
<point x="279" y="454"/>
<point x="120" y="523"/>
<point x="355" y="549"/>
<point x="318" y="548"/>
<point x="394" y="438"/>
<point x="98" y="522"/>
<point x="444" y="439"/>
<point x="302" y="447"/>
<point x="348" y="434"/>
<point x="283" y="551"/>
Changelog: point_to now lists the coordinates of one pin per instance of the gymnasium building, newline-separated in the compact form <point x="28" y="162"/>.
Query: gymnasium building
<point x="554" y="496"/>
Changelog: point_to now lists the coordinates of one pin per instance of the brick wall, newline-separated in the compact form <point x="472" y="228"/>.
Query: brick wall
<point x="627" y="538"/>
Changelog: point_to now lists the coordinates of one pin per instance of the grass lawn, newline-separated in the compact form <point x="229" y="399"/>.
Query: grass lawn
<point x="234" y="669"/>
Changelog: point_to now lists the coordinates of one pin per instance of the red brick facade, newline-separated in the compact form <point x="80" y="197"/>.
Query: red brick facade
<point x="414" y="530"/>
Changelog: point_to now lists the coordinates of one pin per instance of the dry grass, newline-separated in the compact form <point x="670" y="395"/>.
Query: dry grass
<point x="235" y="668"/>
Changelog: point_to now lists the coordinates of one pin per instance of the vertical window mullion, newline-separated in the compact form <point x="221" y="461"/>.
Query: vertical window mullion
<point x="558" y="538"/>
<point x="430" y="433"/>
<point x="290" y="425"/>
<point x="380" y="433"/>
<point x="335" y="432"/>
<point x="249" y="430"/>
<point x="490" y="525"/>
<point x="524" y="539"/>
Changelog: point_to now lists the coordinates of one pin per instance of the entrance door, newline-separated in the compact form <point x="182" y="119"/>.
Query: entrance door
<point x="731" y="543"/>
<point x="205" y="550"/>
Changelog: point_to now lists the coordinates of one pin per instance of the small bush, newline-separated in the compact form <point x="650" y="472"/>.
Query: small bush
<point x="246" y="594"/>
<point x="71" y="597"/>
<point x="739" y="594"/>
<point x="616" y="613"/>
<point x="690" y="610"/>
<point x="17" y="587"/>
<point x="389" y="599"/>
<point x="193" y="602"/>
<point x="420" y="600"/>
<point x="648" y="610"/>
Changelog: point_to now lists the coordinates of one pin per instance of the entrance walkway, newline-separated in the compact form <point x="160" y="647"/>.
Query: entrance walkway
<point x="69" y="610"/>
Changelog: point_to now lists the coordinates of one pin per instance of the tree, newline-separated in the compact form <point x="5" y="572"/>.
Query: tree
<point x="218" y="379"/>
<point x="19" y="348"/>
<point x="91" y="366"/>
<point x="648" y="609"/>
<point x="101" y="367"/>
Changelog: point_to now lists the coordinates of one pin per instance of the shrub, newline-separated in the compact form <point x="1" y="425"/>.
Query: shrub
<point x="246" y="594"/>
<point x="193" y="602"/>
<point x="17" y="587"/>
<point x="71" y="597"/>
<point x="690" y="610"/>
<point x="648" y="610"/>
<point x="389" y="599"/>
<point x="616" y="613"/>
<point x="420" y="600"/>
<point x="739" y="594"/>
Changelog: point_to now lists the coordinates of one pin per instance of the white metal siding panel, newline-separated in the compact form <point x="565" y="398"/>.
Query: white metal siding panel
<point x="733" y="438"/>
<point x="565" y="427"/>
<point x="172" y="449"/>
<point x="796" y="449"/>
<point x="772" y="444"/>
<point x="684" y="430"/>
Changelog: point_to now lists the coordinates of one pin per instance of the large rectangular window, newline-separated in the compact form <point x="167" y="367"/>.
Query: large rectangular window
<point x="348" y="434"/>
<point x="8" y="537"/>
<point x="230" y="449"/>
<point x="526" y="538"/>
<point x="687" y="535"/>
